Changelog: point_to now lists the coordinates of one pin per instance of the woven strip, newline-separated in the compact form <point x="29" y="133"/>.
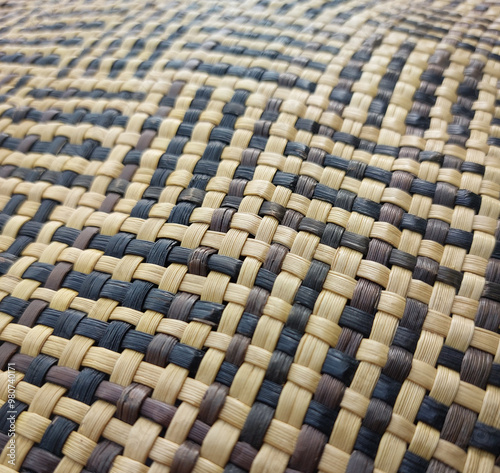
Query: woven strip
<point x="250" y="236"/>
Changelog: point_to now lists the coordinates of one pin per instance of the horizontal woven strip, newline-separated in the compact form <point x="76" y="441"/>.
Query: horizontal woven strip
<point x="257" y="236"/>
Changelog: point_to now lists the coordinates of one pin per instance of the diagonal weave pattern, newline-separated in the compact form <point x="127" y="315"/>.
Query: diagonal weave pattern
<point x="250" y="237"/>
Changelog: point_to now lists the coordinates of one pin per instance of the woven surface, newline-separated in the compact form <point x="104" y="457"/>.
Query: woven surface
<point x="256" y="237"/>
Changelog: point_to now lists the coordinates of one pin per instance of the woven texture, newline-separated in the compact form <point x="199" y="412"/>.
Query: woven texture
<point x="250" y="237"/>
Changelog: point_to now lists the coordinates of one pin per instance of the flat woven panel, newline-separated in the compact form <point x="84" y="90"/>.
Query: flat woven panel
<point x="255" y="236"/>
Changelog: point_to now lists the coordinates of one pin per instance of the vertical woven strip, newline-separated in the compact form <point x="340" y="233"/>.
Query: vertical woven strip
<point x="250" y="236"/>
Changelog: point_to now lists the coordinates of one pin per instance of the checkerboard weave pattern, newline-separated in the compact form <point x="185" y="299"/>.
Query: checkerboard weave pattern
<point x="255" y="236"/>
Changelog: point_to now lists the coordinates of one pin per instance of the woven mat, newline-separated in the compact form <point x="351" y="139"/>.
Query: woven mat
<point x="250" y="237"/>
